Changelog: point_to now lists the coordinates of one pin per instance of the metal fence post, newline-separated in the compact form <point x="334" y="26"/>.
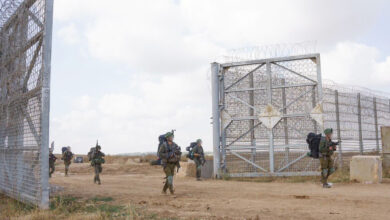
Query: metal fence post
<point x="319" y="78"/>
<point x="319" y="84"/>
<point x="44" y="155"/>
<point x="376" y="125"/>
<point x="271" y="130"/>
<point x="360" y="124"/>
<point x="215" y="67"/>
<point x="313" y="97"/>
<point x="223" y="131"/>
<point x="252" y="121"/>
<point x="336" y="94"/>
<point x="285" y="125"/>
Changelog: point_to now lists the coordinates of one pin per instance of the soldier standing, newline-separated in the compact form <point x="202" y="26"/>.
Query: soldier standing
<point x="67" y="156"/>
<point x="170" y="154"/>
<point x="52" y="160"/>
<point x="327" y="147"/>
<point x="198" y="158"/>
<point x="96" y="162"/>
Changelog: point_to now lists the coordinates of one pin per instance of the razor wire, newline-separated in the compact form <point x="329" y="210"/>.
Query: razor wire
<point x="24" y="99"/>
<point x="268" y="51"/>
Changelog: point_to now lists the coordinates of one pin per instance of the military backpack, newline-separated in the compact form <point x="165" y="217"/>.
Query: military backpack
<point x="91" y="153"/>
<point x="313" y="141"/>
<point x="190" y="150"/>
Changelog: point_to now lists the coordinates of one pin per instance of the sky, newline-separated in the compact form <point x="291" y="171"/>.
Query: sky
<point x="126" y="71"/>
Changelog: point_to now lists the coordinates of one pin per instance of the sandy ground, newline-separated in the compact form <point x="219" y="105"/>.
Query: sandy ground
<point x="141" y="184"/>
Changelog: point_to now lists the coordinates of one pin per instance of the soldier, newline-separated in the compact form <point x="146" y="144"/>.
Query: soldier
<point x="96" y="162"/>
<point x="170" y="154"/>
<point x="198" y="158"/>
<point x="67" y="156"/>
<point x="52" y="160"/>
<point x="327" y="147"/>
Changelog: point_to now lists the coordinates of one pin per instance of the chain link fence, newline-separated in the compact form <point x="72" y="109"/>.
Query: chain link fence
<point x="25" y="50"/>
<point x="356" y="116"/>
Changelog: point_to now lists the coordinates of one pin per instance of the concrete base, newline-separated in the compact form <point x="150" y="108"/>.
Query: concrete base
<point x="386" y="164"/>
<point x="207" y="169"/>
<point x="385" y="134"/>
<point x="366" y="169"/>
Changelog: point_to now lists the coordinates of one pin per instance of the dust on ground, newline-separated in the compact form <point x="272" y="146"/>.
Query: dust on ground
<point x="141" y="184"/>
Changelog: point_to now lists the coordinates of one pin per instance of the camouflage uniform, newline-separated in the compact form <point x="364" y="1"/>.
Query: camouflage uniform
<point x="170" y="155"/>
<point x="199" y="160"/>
<point x="326" y="160"/>
<point x="52" y="160"/>
<point x="67" y="157"/>
<point x="96" y="162"/>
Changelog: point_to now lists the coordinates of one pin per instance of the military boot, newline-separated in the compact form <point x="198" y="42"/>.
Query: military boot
<point x="164" y="191"/>
<point x="326" y="185"/>
<point x="171" y="190"/>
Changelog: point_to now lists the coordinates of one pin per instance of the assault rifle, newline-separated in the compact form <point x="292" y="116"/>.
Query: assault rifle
<point x="334" y="144"/>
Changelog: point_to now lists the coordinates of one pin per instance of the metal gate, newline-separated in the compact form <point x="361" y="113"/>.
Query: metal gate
<point x="262" y="112"/>
<point x="25" y="52"/>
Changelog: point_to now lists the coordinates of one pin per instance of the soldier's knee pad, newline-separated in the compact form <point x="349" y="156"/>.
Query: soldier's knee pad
<point x="325" y="172"/>
<point x="170" y="180"/>
<point x="331" y="170"/>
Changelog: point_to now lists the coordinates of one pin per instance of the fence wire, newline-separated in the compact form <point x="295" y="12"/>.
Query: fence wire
<point x="24" y="99"/>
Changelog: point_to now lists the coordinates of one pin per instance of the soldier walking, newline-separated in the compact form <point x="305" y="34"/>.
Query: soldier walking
<point x="327" y="147"/>
<point x="97" y="161"/>
<point x="170" y="154"/>
<point x="198" y="158"/>
<point x="67" y="156"/>
<point x="52" y="160"/>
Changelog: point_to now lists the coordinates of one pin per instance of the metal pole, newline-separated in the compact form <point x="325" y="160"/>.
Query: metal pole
<point x="215" y="67"/>
<point x="336" y="94"/>
<point x="319" y="78"/>
<point x="284" y="103"/>
<point x="319" y="83"/>
<point x="223" y="133"/>
<point x="44" y="155"/>
<point x="271" y="137"/>
<point x="360" y="124"/>
<point x="313" y="97"/>
<point x="376" y="125"/>
<point x="252" y="121"/>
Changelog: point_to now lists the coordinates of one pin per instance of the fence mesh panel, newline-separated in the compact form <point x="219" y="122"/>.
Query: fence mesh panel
<point x="247" y="149"/>
<point x="24" y="99"/>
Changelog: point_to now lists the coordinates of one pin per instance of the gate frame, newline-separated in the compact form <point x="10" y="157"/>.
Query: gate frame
<point x="44" y="39"/>
<point x="218" y="91"/>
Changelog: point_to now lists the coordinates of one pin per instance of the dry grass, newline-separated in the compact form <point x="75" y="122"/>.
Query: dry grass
<point x="73" y="208"/>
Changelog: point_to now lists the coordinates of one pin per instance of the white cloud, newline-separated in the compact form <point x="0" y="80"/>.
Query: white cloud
<point x="169" y="44"/>
<point x="69" y="34"/>
<point x="132" y="121"/>
<point x="174" y="36"/>
<point x="357" y="64"/>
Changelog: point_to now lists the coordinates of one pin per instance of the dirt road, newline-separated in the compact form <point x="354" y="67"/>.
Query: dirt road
<point x="141" y="184"/>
